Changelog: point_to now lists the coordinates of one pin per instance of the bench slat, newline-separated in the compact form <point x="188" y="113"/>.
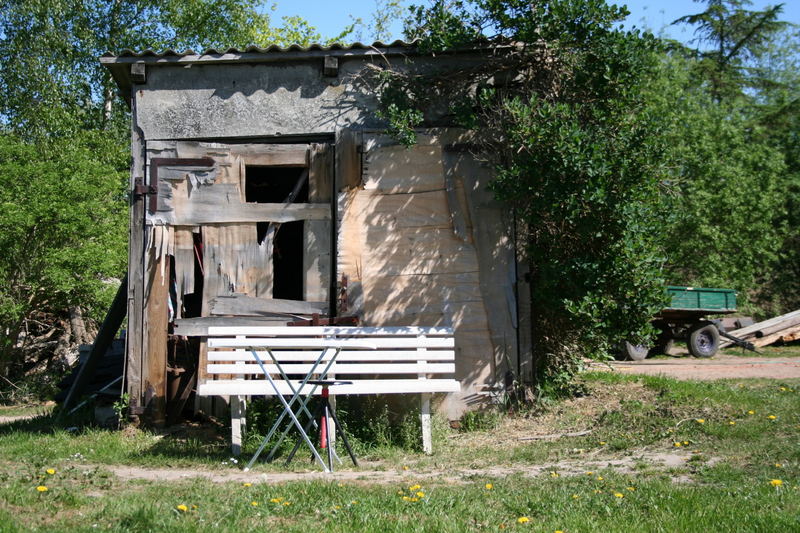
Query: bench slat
<point x="369" y="368"/>
<point x="344" y="355"/>
<point x="325" y="330"/>
<point x="301" y="342"/>
<point x="376" y="386"/>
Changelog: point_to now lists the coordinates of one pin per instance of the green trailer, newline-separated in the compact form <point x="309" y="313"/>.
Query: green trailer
<point x="686" y="319"/>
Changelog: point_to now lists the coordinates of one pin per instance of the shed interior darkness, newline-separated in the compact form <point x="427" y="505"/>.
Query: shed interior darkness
<point x="274" y="185"/>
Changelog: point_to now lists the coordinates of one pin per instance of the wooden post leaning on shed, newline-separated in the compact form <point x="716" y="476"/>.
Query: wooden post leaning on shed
<point x="109" y="328"/>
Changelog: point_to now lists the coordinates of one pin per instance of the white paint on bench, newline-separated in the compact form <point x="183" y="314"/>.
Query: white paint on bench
<point x="386" y="360"/>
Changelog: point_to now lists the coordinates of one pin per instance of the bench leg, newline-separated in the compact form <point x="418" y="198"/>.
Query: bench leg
<point x="238" y="420"/>
<point x="425" y="419"/>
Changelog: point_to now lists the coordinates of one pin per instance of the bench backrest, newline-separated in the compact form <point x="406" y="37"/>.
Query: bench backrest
<point x="393" y="353"/>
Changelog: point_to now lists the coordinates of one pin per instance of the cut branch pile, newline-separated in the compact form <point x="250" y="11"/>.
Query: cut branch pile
<point x="784" y="328"/>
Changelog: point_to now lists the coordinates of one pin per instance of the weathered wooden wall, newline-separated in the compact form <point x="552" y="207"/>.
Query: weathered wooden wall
<point x="422" y="242"/>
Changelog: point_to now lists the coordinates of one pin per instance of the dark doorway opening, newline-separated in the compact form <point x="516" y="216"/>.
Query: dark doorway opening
<point x="274" y="185"/>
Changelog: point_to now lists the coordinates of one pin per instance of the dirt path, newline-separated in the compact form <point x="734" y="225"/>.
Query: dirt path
<point x="719" y="367"/>
<point x="373" y="474"/>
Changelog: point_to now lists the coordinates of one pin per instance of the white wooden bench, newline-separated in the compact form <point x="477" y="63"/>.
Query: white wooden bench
<point x="406" y="360"/>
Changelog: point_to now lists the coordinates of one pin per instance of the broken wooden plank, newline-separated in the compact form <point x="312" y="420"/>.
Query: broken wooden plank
<point x="786" y="334"/>
<point x="221" y="203"/>
<point x="765" y="327"/>
<point x="198" y="326"/>
<point x="243" y="305"/>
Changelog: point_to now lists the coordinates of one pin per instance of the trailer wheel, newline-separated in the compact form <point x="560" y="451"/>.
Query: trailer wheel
<point x="663" y="347"/>
<point x="704" y="340"/>
<point x="633" y="352"/>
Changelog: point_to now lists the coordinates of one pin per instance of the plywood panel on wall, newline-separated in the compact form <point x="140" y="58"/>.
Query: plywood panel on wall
<point x="413" y="261"/>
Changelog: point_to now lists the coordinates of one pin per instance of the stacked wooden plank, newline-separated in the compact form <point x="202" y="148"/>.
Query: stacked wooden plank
<point x="784" y="328"/>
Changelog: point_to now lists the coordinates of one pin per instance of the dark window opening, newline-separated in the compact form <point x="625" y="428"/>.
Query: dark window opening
<point x="273" y="185"/>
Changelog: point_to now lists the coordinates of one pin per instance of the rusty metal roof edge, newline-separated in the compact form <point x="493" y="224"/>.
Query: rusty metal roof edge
<point x="274" y="53"/>
<point x="250" y="53"/>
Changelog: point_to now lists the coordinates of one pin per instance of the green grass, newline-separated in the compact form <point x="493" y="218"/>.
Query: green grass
<point x="720" y="483"/>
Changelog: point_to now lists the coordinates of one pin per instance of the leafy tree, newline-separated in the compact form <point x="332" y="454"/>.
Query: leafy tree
<point x="735" y="225"/>
<point x="561" y="111"/>
<point x="728" y="38"/>
<point x="61" y="234"/>
<point x="726" y="211"/>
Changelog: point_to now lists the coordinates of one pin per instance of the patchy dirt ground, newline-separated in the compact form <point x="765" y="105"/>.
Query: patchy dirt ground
<point x="722" y="366"/>
<point x="372" y="473"/>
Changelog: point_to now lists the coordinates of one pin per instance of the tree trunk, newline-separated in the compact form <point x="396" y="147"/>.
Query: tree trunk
<point x="77" y="325"/>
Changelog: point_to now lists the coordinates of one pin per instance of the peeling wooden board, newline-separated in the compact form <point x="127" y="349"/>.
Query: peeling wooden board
<point x="414" y="210"/>
<point x="401" y="169"/>
<point x="496" y="256"/>
<point x="416" y="251"/>
<point x="348" y="159"/>
<point x="317" y="234"/>
<point x="198" y="326"/>
<point x="243" y="305"/>
<point x="272" y="155"/>
<point x="184" y="265"/>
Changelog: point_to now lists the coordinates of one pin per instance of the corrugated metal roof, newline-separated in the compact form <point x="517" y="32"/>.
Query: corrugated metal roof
<point x="252" y="49"/>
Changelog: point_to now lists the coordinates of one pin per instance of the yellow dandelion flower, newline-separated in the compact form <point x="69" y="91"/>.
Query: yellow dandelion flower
<point x="599" y="478"/>
<point x="276" y="500"/>
<point x="353" y="502"/>
<point x="553" y="474"/>
<point x="42" y="488"/>
<point x="677" y="444"/>
<point x="631" y="489"/>
<point x="751" y="412"/>
<point x="778" y="465"/>
<point x="575" y="496"/>
<point x="619" y="495"/>
<point x="254" y="504"/>
<point x="488" y="486"/>
<point x="286" y="504"/>
<point x="589" y="473"/>
<point x="686" y="443"/>
<point x="407" y="498"/>
<point x="51" y="471"/>
<point x="559" y="531"/>
<point x="415" y="499"/>
<point x="337" y="507"/>
<point x="732" y="423"/>
<point x="700" y="420"/>
<point x="602" y="443"/>
<point x="783" y="389"/>
<point x="420" y="494"/>
<point x="772" y="417"/>
<point x="412" y="488"/>
<point x="182" y="508"/>
<point x="247" y="484"/>
<point x="523" y="520"/>
<point x="776" y="482"/>
<point x="405" y="467"/>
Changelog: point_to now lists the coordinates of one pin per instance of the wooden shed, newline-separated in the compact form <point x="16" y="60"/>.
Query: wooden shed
<point x="264" y="191"/>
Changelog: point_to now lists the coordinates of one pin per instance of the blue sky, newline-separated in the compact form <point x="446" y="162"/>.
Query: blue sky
<point x="330" y="18"/>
